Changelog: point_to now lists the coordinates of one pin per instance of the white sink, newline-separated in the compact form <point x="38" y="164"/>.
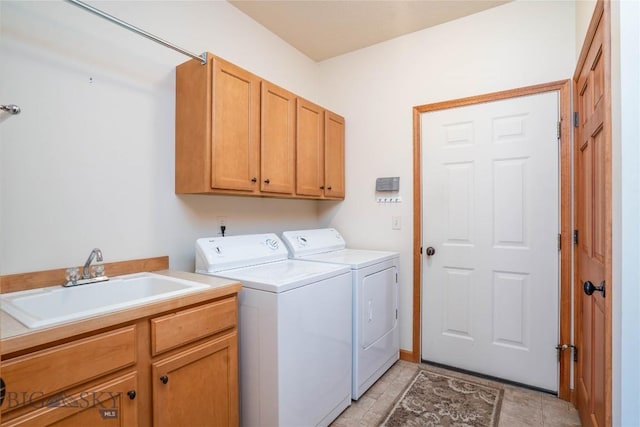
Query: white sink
<point x="56" y="304"/>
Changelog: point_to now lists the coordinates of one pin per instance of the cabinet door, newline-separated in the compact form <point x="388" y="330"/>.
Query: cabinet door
<point x="109" y="404"/>
<point x="235" y="142"/>
<point x="310" y="149"/>
<point x="334" y="156"/>
<point x="199" y="386"/>
<point x="277" y="145"/>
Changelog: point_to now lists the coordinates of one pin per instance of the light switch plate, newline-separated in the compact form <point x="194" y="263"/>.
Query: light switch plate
<point x="396" y="223"/>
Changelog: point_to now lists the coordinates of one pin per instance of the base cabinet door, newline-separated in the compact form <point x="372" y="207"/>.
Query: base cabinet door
<point x="198" y="386"/>
<point x="113" y="403"/>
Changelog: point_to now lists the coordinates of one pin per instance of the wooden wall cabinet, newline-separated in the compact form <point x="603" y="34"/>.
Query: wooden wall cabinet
<point x="278" y="143"/>
<point x="320" y="158"/>
<point x="239" y="134"/>
<point x="217" y="128"/>
<point x="177" y="369"/>
<point x="334" y="166"/>
<point x="310" y="146"/>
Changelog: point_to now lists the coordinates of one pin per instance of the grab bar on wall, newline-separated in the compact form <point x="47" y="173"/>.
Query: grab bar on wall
<point x="202" y="57"/>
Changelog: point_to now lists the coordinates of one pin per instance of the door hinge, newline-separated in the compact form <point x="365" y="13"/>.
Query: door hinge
<point x="396" y="314"/>
<point x="420" y="250"/>
<point x="396" y="277"/>
<point x="573" y="348"/>
<point x="575" y="237"/>
<point x="576" y="119"/>
<point x="559" y="129"/>
<point x="559" y="241"/>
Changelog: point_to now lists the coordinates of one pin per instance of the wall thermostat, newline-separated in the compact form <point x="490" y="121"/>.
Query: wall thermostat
<point x="391" y="183"/>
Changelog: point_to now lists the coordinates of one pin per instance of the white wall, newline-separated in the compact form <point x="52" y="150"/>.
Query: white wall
<point x="584" y="11"/>
<point x="625" y="107"/>
<point x="518" y="44"/>
<point x="90" y="160"/>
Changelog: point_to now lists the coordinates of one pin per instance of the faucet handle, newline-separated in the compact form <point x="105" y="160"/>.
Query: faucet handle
<point x="97" y="270"/>
<point x="71" y="275"/>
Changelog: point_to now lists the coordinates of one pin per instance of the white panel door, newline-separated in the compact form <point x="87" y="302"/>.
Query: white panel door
<point x="490" y="211"/>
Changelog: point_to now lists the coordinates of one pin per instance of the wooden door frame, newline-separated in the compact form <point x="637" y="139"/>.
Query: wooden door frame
<point x="564" y="89"/>
<point x="601" y="16"/>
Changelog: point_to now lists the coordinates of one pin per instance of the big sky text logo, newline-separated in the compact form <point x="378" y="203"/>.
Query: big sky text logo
<point x="106" y="402"/>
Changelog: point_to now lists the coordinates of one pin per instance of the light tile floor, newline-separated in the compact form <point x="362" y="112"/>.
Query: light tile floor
<point x="520" y="406"/>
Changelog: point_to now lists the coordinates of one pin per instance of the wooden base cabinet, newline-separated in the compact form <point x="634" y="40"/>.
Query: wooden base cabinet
<point x="110" y="404"/>
<point x="176" y="369"/>
<point x="197" y="387"/>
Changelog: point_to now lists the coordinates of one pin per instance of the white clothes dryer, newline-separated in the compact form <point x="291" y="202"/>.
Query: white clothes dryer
<point x="376" y="336"/>
<point x="294" y="330"/>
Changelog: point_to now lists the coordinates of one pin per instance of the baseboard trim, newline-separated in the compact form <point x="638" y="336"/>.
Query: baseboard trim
<point x="408" y="356"/>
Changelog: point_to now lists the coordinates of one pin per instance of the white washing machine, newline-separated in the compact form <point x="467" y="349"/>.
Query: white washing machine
<point x="294" y="330"/>
<point x="376" y="336"/>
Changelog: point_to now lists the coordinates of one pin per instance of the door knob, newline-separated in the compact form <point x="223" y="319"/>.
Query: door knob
<point x="267" y="181"/>
<point x="431" y="251"/>
<point x="164" y="379"/>
<point x="131" y="394"/>
<point x="589" y="288"/>
<point x="2" y="391"/>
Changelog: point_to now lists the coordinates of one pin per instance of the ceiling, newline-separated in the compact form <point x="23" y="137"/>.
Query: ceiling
<point x="322" y="29"/>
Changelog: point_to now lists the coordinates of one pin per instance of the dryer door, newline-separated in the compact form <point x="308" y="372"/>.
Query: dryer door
<point x="378" y="305"/>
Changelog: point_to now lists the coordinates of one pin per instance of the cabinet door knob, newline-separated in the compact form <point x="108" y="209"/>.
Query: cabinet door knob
<point x="322" y="187"/>
<point x="254" y="179"/>
<point x="164" y="379"/>
<point x="2" y="391"/>
<point x="266" y="181"/>
<point x="329" y="188"/>
<point x="131" y="394"/>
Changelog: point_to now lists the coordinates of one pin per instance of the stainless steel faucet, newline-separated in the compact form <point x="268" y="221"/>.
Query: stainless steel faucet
<point x="97" y="253"/>
<point x="98" y="276"/>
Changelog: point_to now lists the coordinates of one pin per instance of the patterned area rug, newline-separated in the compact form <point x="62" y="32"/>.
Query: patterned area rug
<point x="433" y="399"/>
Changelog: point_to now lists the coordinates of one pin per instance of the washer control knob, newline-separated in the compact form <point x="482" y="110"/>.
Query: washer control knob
<point x="272" y="244"/>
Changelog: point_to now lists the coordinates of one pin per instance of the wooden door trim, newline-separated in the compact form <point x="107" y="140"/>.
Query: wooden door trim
<point x="601" y="16"/>
<point x="564" y="89"/>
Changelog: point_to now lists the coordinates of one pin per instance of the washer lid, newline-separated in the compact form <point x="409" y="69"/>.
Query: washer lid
<point x="284" y="275"/>
<point x="355" y="258"/>
<point x="224" y="253"/>
<point x="308" y="242"/>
